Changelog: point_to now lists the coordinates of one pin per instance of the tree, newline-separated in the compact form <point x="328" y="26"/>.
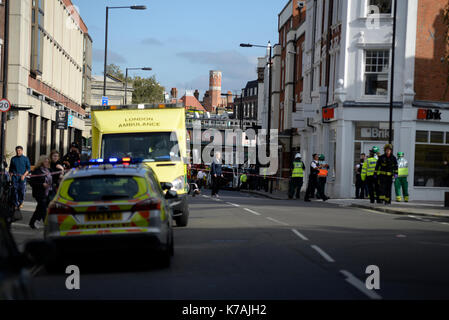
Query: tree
<point x="147" y="90"/>
<point x="115" y="71"/>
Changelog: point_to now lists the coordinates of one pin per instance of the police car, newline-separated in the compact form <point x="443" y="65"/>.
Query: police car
<point x="116" y="205"/>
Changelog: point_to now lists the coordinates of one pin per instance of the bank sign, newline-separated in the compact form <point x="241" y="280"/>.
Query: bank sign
<point x="429" y="114"/>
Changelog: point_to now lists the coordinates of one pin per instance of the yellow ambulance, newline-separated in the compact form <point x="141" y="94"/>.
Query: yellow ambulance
<point x="154" y="134"/>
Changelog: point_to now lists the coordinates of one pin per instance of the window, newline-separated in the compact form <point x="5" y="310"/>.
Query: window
<point x="436" y="137"/>
<point x="447" y="137"/>
<point x="431" y="165"/>
<point x="53" y="136"/>
<point x="37" y="37"/>
<point x="31" y="144"/>
<point x="61" y="142"/>
<point x="43" y="139"/>
<point x="383" y="5"/>
<point x="422" y="136"/>
<point x="376" y="72"/>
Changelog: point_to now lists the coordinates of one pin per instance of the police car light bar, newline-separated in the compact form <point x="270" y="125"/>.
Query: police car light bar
<point x="100" y="161"/>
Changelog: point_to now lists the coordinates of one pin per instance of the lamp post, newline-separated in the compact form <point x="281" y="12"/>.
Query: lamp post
<point x="270" y="65"/>
<point x="106" y="38"/>
<point x="295" y="55"/>
<point x="393" y="49"/>
<point x="126" y="80"/>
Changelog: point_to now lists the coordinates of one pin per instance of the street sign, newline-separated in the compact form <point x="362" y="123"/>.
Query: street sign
<point x="62" y="117"/>
<point x="104" y="101"/>
<point x="70" y="120"/>
<point x="5" y="105"/>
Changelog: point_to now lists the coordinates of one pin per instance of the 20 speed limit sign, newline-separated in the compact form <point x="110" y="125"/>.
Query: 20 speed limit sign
<point x="5" y="105"/>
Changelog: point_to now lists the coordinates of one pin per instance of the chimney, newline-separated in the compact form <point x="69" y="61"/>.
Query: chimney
<point x="174" y="93"/>
<point x="196" y="94"/>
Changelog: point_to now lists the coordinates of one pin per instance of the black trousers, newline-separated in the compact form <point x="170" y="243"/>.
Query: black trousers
<point x="295" y="185"/>
<point x="371" y="182"/>
<point x="215" y="185"/>
<point x="311" y="186"/>
<point x="385" y="183"/>
<point x="321" y="187"/>
<point x="41" y="210"/>
<point x="360" y="188"/>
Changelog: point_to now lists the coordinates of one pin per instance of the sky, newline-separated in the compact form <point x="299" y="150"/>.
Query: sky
<point x="183" y="40"/>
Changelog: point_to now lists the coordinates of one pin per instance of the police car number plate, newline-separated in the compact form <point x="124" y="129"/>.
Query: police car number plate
<point x="106" y="216"/>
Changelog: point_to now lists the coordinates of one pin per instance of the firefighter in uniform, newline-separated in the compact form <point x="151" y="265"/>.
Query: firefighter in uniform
<point x="322" y="177"/>
<point x="386" y="169"/>
<point x="377" y="184"/>
<point x="297" y="178"/>
<point x="368" y="175"/>
<point x="313" y="178"/>
<point x="401" y="180"/>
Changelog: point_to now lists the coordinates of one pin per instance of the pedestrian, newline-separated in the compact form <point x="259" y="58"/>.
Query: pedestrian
<point x="360" y="187"/>
<point x="368" y="175"/>
<point x="41" y="183"/>
<point x="19" y="168"/>
<point x="72" y="157"/>
<point x="401" y="181"/>
<point x="201" y="178"/>
<point x="386" y="169"/>
<point x="264" y="172"/>
<point x="243" y="181"/>
<point x="297" y="177"/>
<point x="313" y="178"/>
<point x="322" y="177"/>
<point x="57" y="171"/>
<point x="216" y="174"/>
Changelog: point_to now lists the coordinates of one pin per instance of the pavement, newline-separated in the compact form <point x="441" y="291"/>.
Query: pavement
<point x="418" y="208"/>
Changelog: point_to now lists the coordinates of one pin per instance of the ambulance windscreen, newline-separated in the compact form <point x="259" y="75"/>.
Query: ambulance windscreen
<point x="149" y="146"/>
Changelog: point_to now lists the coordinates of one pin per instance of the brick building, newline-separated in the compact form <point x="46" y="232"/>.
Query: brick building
<point x="337" y="56"/>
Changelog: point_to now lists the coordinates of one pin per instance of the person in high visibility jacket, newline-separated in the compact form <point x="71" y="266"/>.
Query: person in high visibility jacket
<point x="401" y="181"/>
<point x="297" y="178"/>
<point x="368" y="175"/>
<point x="264" y="173"/>
<point x="243" y="181"/>
<point x="386" y="169"/>
<point x="322" y="177"/>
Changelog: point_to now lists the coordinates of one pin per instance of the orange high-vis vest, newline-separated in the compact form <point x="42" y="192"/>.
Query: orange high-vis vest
<point x="323" y="173"/>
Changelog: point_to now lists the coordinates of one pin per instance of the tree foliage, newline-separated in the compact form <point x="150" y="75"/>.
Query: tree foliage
<point x="147" y="90"/>
<point x="115" y="71"/>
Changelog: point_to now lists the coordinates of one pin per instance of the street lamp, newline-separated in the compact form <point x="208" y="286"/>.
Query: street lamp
<point x="269" y="49"/>
<point x="295" y="56"/>
<point x="390" y="138"/>
<point x="126" y="80"/>
<point x="106" y="38"/>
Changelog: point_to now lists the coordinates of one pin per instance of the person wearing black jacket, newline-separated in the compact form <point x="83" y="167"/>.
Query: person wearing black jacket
<point x="216" y="174"/>
<point x="386" y="170"/>
<point x="57" y="171"/>
<point x="72" y="157"/>
<point x="41" y="183"/>
<point x="360" y="186"/>
<point x="313" y="178"/>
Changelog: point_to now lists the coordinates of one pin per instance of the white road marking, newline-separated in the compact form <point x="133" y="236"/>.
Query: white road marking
<point x="360" y="285"/>
<point x="299" y="235"/>
<point x="20" y="225"/>
<point x="277" y="221"/>
<point x="444" y="223"/>
<point x="205" y="196"/>
<point x="323" y="254"/>
<point x="233" y="204"/>
<point x="420" y="219"/>
<point x="379" y="212"/>
<point x="251" y="211"/>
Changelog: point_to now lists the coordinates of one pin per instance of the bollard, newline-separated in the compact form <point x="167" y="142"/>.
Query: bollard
<point x="446" y="199"/>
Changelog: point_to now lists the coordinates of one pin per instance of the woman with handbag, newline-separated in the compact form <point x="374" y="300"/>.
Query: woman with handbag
<point x="41" y="183"/>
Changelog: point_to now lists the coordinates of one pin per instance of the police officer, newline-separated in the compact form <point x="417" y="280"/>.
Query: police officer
<point x="386" y="169"/>
<point x="401" y="180"/>
<point x="313" y="178"/>
<point x="243" y="180"/>
<point x="322" y="177"/>
<point x="297" y="178"/>
<point x="368" y="175"/>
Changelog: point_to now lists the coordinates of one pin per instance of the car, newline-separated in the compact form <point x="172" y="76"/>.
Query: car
<point x="116" y="206"/>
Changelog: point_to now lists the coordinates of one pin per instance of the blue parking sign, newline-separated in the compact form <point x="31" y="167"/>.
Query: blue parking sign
<point x="104" y="101"/>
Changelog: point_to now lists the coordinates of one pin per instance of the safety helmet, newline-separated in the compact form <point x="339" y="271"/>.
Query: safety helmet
<point x="400" y="154"/>
<point x="375" y="149"/>
<point x="321" y="158"/>
<point x="298" y="156"/>
<point x="388" y="146"/>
